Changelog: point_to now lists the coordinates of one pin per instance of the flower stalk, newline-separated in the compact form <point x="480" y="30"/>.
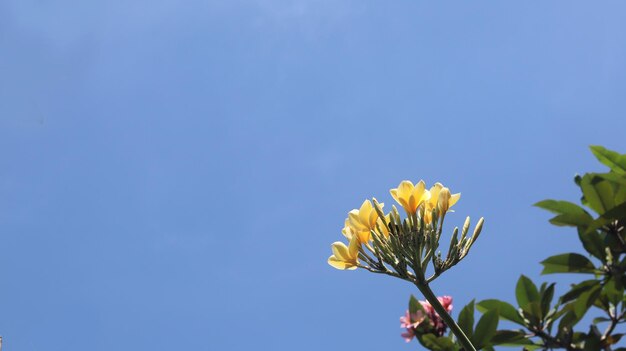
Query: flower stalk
<point x="450" y="322"/>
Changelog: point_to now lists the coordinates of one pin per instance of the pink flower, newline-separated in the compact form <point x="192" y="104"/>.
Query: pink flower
<point x="408" y="335"/>
<point x="446" y="302"/>
<point x="414" y="322"/>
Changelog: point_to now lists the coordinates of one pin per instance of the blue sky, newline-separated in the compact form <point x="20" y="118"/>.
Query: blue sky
<point x="173" y="173"/>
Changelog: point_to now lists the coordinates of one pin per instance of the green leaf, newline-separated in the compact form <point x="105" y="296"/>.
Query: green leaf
<point x="598" y="193"/>
<point x="508" y="337"/>
<point x="569" y="214"/>
<point x="601" y="320"/>
<point x="616" y="213"/>
<point x="526" y="291"/>
<point x="414" y="305"/>
<point x="615" y="161"/>
<point x="532" y="311"/>
<point x="466" y="319"/>
<point x="507" y="311"/>
<point x="546" y="299"/>
<point x="612" y="177"/>
<point x="485" y="329"/>
<point x="578" y="289"/>
<point x="566" y="323"/>
<point x="620" y="192"/>
<point x="592" y="342"/>
<point x="586" y="300"/>
<point x="560" y="207"/>
<point x="614" y="290"/>
<point x="593" y="242"/>
<point x="442" y="343"/>
<point x="568" y="263"/>
<point x="512" y="338"/>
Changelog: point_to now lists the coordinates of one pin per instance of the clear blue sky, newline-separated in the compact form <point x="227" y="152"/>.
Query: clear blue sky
<point x="173" y="172"/>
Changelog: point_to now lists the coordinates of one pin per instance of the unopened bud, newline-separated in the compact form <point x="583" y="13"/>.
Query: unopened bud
<point x="479" y="227"/>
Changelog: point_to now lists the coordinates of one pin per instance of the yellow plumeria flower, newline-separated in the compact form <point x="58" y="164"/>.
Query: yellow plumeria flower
<point x="362" y="221"/>
<point x="345" y="257"/>
<point x="410" y="196"/>
<point x="441" y="198"/>
<point x="432" y="202"/>
<point x="446" y="200"/>
<point x="347" y="230"/>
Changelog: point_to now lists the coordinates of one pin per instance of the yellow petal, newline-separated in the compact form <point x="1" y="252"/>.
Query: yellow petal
<point x="454" y="198"/>
<point x="426" y="196"/>
<point x="418" y="191"/>
<point x="347" y="230"/>
<point x="444" y="200"/>
<point x="365" y="236"/>
<point x="364" y="213"/>
<point x="355" y="220"/>
<point x="434" y="193"/>
<point x="340" y="250"/>
<point x="428" y="216"/>
<point x="339" y="264"/>
<point x="405" y="188"/>
<point x="394" y="194"/>
<point x="372" y="219"/>
<point x="405" y="204"/>
<point x="412" y="206"/>
<point x="366" y="206"/>
<point x="353" y="249"/>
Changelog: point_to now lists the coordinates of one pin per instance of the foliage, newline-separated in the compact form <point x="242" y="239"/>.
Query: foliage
<point x="549" y="324"/>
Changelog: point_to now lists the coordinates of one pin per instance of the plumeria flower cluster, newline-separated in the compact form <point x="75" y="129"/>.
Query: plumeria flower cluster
<point x="386" y="243"/>
<point x="425" y="320"/>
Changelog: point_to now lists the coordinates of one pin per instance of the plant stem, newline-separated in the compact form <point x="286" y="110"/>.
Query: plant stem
<point x="460" y="335"/>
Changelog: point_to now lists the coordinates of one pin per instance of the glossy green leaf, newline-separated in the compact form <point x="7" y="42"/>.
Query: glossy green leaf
<point x="614" y="290"/>
<point x="466" y="319"/>
<point x="513" y="338"/>
<point x="507" y="311"/>
<point x="598" y="193"/>
<point x="567" y="263"/>
<point x="569" y="214"/>
<point x="567" y="323"/>
<point x="533" y="312"/>
<point x="616" y="213"/>
<point x="593" y="242"/>
<point x="620" y="193"/>
<point x="526" y="291"/>
<point x="601" y="320"/>
<point x="414" y="305"/>
<point x="579" y="289"/>
<point x="485" y="329"/>
<point x="614" y="160"/>
<point x="592" y="344"/>
<point x="434" y="343"/>
<point x="586" y="300"/>
<point x="612" y="177"/>
<point x="546" y="299"/>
